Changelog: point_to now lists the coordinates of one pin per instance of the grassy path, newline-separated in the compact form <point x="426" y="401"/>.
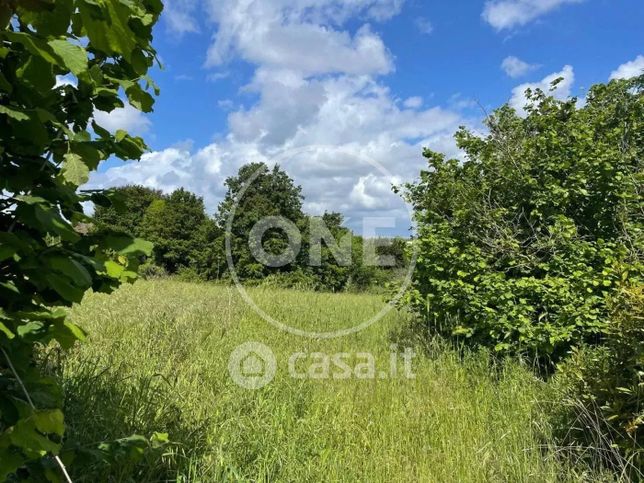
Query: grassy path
<point x="157" y="359"/>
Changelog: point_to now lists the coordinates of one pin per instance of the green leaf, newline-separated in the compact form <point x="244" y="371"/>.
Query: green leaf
<point x="16" y="114"/>
<point x="51" y="21"/>
<point x="139" y="98"/>
<point x="33" y="45"/>
<point x="106" y="24"/>
<point x="114" y="269"/>
<point x="127" y="245"/>
<point x="7" y="251"/>
<point x="29" y="434"/>
<point x="42" y="217"/>
<point x="64" y="287"/>
<point x="5" y="330"/>
<point x="74" y="56"/>
<point x="72" y="269"/>
<point x="75" y="171"/>
<point x="66" y="333"/>
<point x="29" y="328"/>
<point x="38" y="74"/>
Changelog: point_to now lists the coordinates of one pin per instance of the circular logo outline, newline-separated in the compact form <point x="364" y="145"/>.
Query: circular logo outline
<point x="295" y="330"/>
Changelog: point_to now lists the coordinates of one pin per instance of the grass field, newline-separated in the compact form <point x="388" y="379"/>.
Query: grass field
<point x="156" y="360"/>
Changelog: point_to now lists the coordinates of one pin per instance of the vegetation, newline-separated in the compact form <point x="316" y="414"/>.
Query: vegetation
<point x="533" y="246"/>
<point x="602" y="389"/>
<point x="530" y="256"/>
<point x="524" y="245"/>
<point x="156" y="360"/>
<point x="49" y="143"/>
<point x="190" y="243"/>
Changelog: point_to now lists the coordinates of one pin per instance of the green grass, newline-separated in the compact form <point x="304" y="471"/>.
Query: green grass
<point x="156" y="360"/>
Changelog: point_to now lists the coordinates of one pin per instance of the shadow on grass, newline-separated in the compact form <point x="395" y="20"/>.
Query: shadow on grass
<point x="116" y="425"/>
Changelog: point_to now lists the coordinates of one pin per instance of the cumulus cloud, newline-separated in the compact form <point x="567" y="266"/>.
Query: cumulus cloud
<point x="518" y="100"/>
<point x="507" y="14"/>
<point x="307" y="36"/>
<point x="128" y="118"/>
<point x="310" y="49"/>
<point x="179" y="16"/>
<point x="630" y="69"/>
<point x="515" y="67"/>
<point x="346" y="140"/>
<point x="413" y="102"/>
<point x="321" y="110"/>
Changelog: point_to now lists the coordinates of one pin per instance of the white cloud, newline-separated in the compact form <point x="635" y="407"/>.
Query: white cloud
<point x="630" y="69"/>
<point x="424" y="26"/>
<point x="167" y="170"/>
<point x="507" y="14"/>
<point x="324" y="133"/>
<point x="413" y="102"/>
<point x="306" y="36"/>
<point x="179" y="16"/>
<point x="310" y="49"/>
<point x="515" y="67"/>
<point x="562" y="90"/>
<point x="321" y="111"/>
<point x="127" y="118"/>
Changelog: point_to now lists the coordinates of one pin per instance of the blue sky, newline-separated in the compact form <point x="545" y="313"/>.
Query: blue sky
<point x="345" y="94"/>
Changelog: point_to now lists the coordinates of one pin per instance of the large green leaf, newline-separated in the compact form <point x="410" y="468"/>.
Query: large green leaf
<point x="112" y="36"/>
<point x="139" y="98"/>
<point x="34" y="45"/>
<point x="14" y="113"/>
<point x="74" y="56"/>
<point x="74" y="170"/>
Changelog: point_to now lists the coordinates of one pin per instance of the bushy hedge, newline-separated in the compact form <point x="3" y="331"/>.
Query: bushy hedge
<point x="524" y="244"/>
<point x="603" y="387"/>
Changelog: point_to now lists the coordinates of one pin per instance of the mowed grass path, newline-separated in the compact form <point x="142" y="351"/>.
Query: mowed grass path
<point x="156" y="360"/>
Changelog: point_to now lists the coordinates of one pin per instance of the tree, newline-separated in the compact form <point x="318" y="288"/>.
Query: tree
<point x="264" y="192"/>
<point x="178" y="227"/>
<point x="49" y="142"/>
<point x="127" y="217"/>
<point x="523" y="246"/>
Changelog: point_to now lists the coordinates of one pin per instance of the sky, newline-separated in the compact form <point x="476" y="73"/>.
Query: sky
<point x="344" y="95"/>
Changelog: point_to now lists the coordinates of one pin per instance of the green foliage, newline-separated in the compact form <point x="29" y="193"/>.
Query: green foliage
<point x="603" y="387"/>
<point x="264" y="192"/>
<point x="523" y="245"/>
<point x="132" y="203"/>
<point x="271" y="192"/>
<point x="180" y="230"/>
<point x="49" y="143"/>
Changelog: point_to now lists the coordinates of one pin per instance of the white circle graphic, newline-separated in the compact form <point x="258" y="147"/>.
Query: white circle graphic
<point x="280" y="157"/>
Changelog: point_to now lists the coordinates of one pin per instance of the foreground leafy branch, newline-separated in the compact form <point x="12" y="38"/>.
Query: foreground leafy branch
<point x="59" y="62"/>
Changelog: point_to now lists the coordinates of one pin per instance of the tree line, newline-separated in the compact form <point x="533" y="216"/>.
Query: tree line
<point x="191" y="244"/>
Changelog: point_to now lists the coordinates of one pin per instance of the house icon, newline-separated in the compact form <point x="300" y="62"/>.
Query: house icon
<point x="253" y="365"/>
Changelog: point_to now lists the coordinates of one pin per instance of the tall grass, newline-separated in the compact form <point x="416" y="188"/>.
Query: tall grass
<point x="156" y="360"/>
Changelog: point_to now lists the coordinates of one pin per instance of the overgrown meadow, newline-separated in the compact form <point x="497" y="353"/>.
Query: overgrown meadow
<point x="525" y="309"/>
<point x="156" y="361"/>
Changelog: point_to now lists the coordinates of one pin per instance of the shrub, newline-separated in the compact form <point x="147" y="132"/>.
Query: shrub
<point x="523" y="246"/>
<point x="151" y="271"/>
<point x="604" y="386"/>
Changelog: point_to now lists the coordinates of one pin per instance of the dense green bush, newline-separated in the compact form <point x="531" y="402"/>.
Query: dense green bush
<point x="603" y="387"/>
<point x="127" y="214"/>
<point x="523" y="245"/>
